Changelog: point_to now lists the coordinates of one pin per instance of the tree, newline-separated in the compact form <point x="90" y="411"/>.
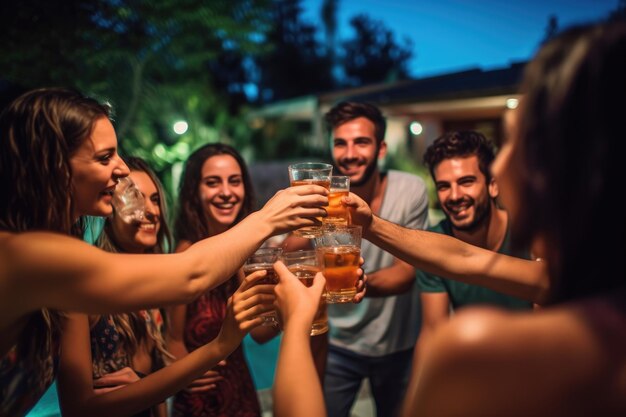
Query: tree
<point x="297" y="64"/>
<point x="151" y="59"/>
<point x="373" y="55"/>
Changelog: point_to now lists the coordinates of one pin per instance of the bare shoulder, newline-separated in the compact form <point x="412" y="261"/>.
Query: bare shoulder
<point x="549" y="362"/>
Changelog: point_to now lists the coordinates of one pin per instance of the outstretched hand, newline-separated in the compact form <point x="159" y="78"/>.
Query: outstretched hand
<point x="244" y="308"/>
<point x="297" y="303"/>
<point x="295" y="207"/>
<point x="360" y="212"/>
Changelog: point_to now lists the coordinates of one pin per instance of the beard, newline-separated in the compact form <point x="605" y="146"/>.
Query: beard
<point x="481" y="215"/>
<point x="370" y="169"/>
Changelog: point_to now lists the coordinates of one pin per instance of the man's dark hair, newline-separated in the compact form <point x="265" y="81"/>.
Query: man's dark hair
<point x="462" y="143"/>
<point x="349" y="110"/>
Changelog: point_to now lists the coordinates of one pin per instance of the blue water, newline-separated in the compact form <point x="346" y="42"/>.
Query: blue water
<point x="261" y="359"/>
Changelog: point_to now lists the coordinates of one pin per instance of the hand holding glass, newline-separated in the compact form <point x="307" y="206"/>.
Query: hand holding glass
<point x="339" y="251"/>
<point x="263" y="259"/>
<point x="338" y="214"/>
<point x="310" y="173"/>
<point x="304" y="265"/>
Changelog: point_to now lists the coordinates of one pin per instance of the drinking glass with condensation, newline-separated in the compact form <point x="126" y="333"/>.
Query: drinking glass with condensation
<point x="128" y="201"/>
<point x="304" y="265"/>
<point x="263" y="259"/>
<point x="310" y="173"/>
<point x="339" y="251"/>
<point x="337" y="213"/>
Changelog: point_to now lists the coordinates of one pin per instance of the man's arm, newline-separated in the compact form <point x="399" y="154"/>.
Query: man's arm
<point x="400" y="276"/>
<point x="396" y="279"/>
<point x="446" y="256"/>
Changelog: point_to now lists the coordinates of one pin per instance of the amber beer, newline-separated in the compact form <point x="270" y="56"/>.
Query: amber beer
<point x="306" y="273"/>
<point x="340" y="268"/>
<point x="270" y="278"/>
<point x="263" y="260"/>
<point x="305" y="173"/>
<point x="337" y="213"/>
<point x="310" y="232"/>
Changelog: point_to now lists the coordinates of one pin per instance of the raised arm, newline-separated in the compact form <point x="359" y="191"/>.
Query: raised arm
<point x="76" y="393"/>
<point x="49" y="270"/>
<point x="297" y="388"/>
<point x="452" y="258"/>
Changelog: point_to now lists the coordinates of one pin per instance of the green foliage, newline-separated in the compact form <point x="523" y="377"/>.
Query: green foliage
<point x="150" y="58"/>
<point x="373" y="55"/>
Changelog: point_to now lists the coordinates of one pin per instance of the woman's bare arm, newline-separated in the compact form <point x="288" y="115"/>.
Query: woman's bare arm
<point x="297" y="390"/>
<point x="42" y="269"/>
<point x="75" y="374"/>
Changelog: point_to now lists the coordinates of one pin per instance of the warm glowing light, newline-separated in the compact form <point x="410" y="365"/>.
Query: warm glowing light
<point x="511" y="103"/>
<point x="180" y="127"/>
<point x="416" y="128"/>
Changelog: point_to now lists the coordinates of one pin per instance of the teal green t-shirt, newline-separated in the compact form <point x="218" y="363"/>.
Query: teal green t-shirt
<point x="462" y="294"/>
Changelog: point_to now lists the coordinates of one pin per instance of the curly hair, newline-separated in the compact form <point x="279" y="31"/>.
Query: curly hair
<point x="461" y="143"/>
<point x="191" y="221"/>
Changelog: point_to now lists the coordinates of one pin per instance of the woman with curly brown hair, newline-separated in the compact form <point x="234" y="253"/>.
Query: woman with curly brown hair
<point x="58" y="163"/>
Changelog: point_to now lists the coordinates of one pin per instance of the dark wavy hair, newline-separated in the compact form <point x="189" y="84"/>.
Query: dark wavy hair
<point x="39" y="132"/>
<point x="570" y="157"/>
<point x="191" y="223"/>
<point x="346" y="111"/>
<point x="462" y="143"/>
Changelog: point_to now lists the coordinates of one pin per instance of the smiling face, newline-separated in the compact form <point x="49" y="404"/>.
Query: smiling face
<point x="356" y="151"/>
<point x="221" y="191"/>
<point x="140" y="236"/>
<point x="96" y="167"/>
<point x="463" y="192"/>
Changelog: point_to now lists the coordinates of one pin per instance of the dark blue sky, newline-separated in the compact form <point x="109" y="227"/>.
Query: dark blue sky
<point x="451" y="35"/>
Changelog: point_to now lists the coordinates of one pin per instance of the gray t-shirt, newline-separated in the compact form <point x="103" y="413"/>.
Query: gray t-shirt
<point x="383" y="325"/>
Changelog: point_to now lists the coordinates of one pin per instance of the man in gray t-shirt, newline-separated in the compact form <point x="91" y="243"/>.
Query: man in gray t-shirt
<point x="374" y="339"/>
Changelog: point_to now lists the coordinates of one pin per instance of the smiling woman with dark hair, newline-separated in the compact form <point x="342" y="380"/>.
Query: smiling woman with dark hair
<point x="58" y="163"/>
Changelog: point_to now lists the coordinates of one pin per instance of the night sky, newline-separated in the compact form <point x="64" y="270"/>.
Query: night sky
<point x="451" y="35"/>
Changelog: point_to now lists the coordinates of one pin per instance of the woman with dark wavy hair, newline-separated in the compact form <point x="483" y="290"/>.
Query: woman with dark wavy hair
<point x="58" y="163"/>
<point x="215" y="194"/>
<point x="559" y="174"/>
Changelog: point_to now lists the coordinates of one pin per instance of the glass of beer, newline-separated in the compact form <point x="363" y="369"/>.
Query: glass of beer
<point x="304" y="265"/>
<point x="263" y="259"/>
<point x="338" y="251"/>
<point x="338" y="214"/>
<point x="310" y="173"/>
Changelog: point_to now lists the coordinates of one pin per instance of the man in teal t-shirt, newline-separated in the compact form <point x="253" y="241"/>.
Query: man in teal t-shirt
<point x="459" y="164"/>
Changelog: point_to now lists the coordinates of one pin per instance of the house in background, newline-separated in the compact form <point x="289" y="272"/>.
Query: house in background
<point x="417" y="110"/>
